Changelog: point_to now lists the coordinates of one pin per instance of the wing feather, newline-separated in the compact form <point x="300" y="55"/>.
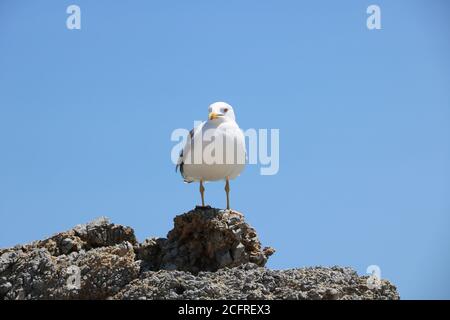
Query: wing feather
<point x="180" y="162"/>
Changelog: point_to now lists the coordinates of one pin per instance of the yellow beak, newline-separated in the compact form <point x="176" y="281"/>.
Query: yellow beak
<point x="213" y="116"/>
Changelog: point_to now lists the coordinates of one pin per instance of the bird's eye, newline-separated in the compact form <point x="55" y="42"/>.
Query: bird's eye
<point x="225" y="110"/>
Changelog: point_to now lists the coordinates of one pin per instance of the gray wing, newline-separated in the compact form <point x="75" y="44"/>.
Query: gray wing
<point x="180" y="162"/>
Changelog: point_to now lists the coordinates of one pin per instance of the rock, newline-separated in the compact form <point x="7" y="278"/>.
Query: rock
<point x="252" y="282"/>
<point x="149" y="252"/>
<point x="332" y="294"/>
<point x="67" y="245"/>
<point x="5" y="286"/>
<point x="238" y="251"/>
<point x="101" y="232"/>
<point x="209" y="254"/>
<point x="206" y="239"/>
<point x="7" y="259"/>
<point x="223" y="258"/>
<point x="104" y="271"/>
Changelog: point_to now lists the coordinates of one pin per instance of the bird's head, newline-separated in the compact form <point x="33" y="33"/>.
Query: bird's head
<point x="221" y="111"/>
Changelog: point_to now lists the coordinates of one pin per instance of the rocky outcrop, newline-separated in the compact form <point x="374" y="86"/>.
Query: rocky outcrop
<point x="251" y="282"/>
<point x="207" y="239"/>
<point x="92" y="261"/>
<point x="204" y="239"/>
<point x="209" y="254"/>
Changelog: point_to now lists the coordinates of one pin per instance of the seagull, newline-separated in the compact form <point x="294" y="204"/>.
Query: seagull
<point x="214" y="161"/>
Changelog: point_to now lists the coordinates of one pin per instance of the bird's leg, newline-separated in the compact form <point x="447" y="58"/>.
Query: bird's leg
<point x="202" y="192"/>
<point x="227" y="190"/>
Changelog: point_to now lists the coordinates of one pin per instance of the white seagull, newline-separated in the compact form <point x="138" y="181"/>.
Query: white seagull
<point x="222" y="145"/>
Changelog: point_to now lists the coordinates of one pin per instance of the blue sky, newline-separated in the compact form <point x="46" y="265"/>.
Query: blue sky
<point x="86" y="117"/>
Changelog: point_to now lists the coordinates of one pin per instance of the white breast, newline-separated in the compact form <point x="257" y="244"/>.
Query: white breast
<point x="213" y="162"/>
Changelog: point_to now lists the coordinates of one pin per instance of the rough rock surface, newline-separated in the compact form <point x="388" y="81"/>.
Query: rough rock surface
<point x="249" y="281"/>
<point x="209" y="254"/>
<point x="207" y="239"/>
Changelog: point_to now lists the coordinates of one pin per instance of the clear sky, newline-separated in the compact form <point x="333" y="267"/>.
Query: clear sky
<point x="364" y="117"/>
